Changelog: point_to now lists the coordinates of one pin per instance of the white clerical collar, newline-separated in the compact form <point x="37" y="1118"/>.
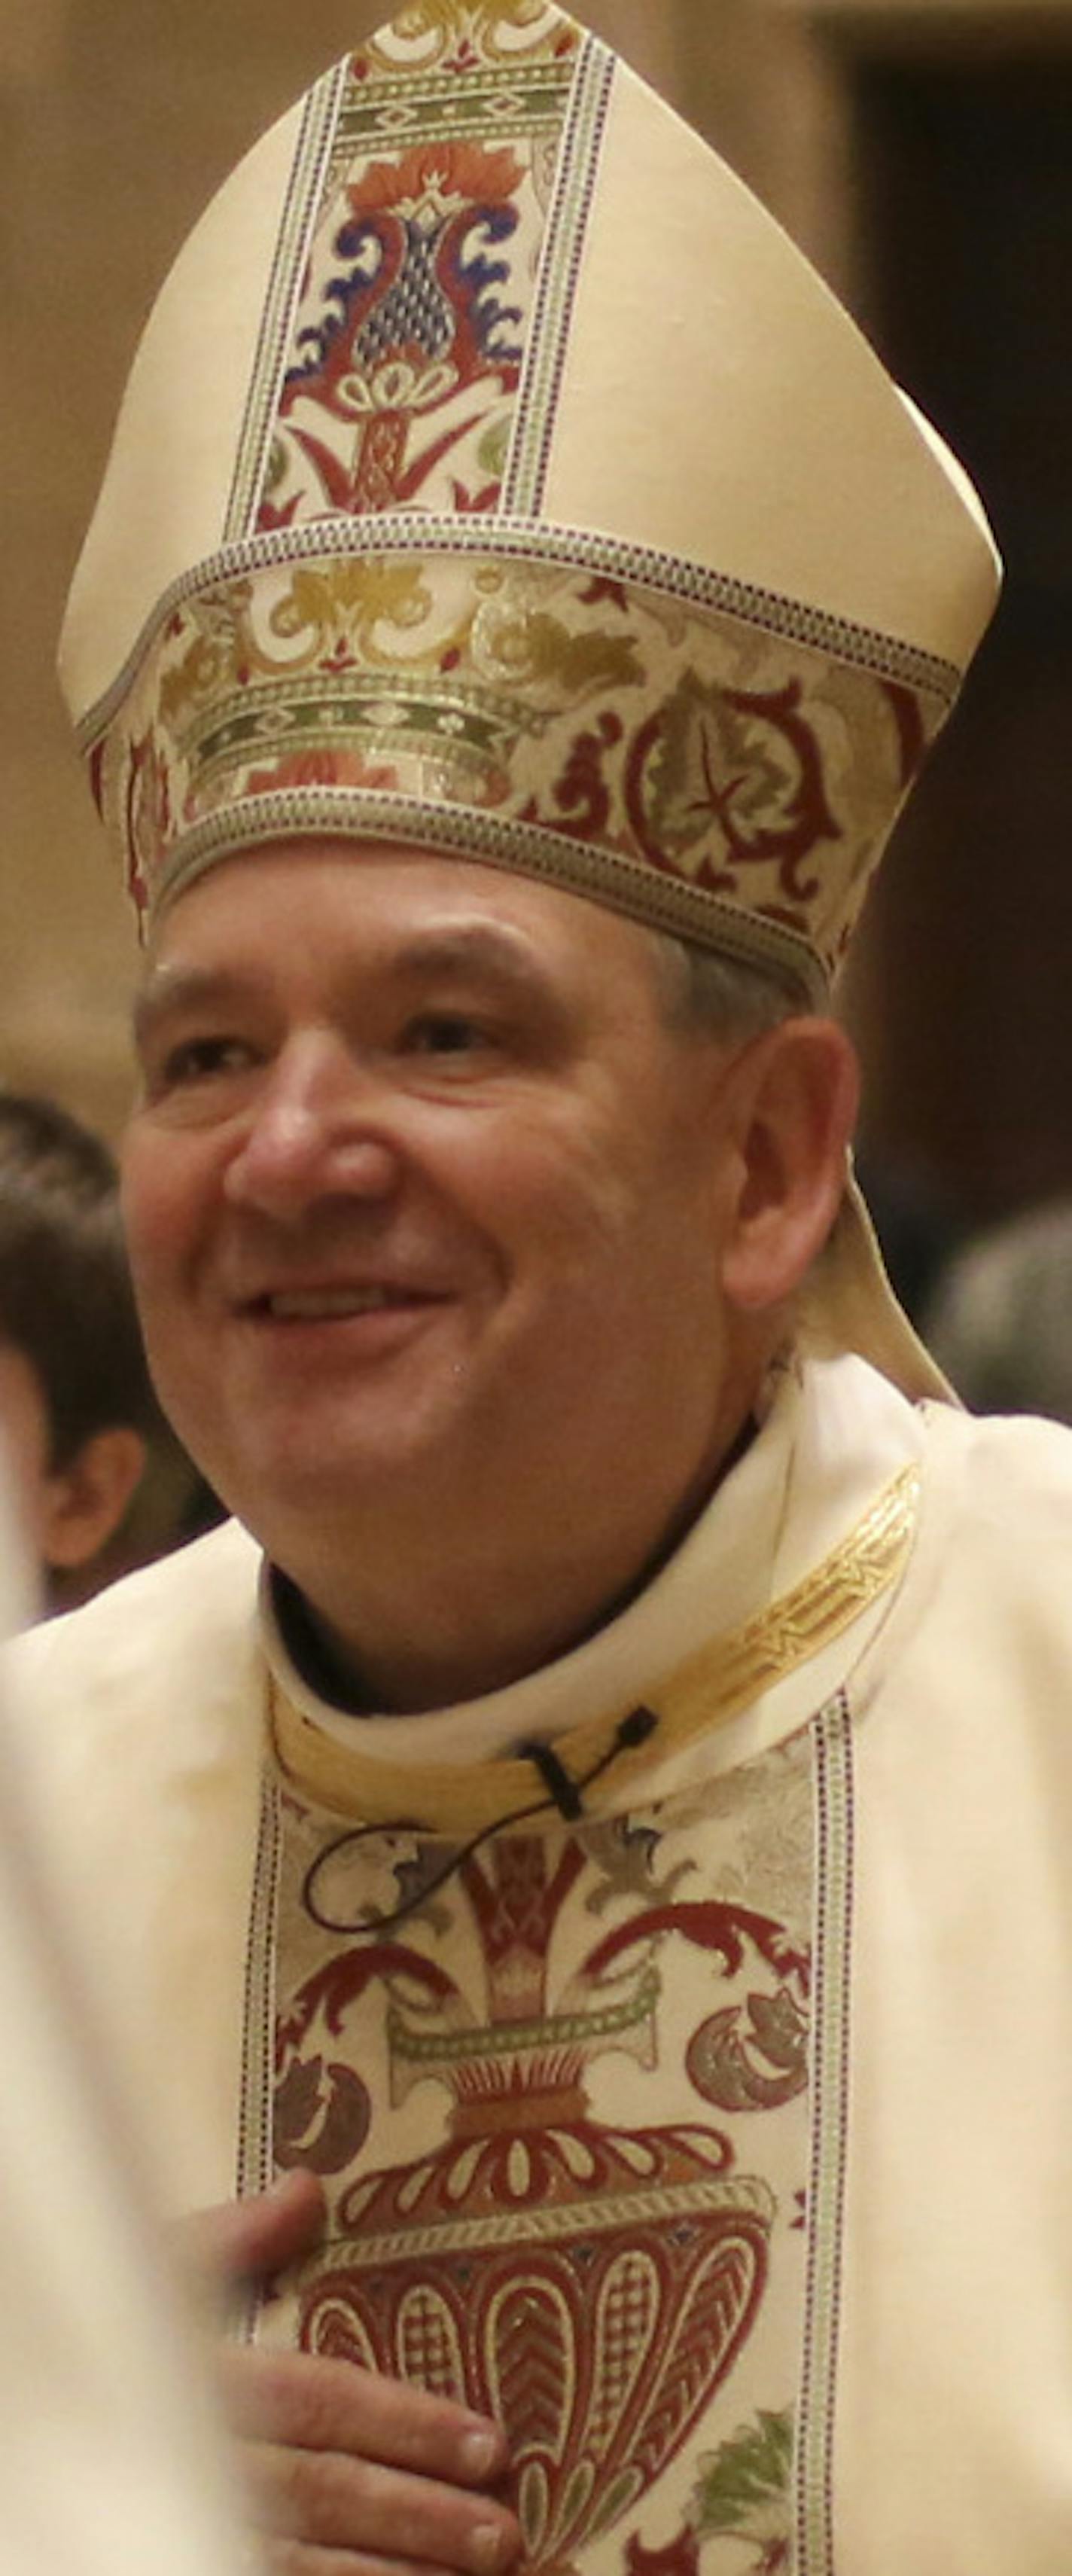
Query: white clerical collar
<point x="836" y="1439"/>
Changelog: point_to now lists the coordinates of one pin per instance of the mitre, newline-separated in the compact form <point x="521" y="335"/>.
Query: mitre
<point x="495" y="477"/>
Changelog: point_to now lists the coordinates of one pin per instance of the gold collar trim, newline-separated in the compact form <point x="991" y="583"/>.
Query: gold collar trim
<point x="710" y="1688"/>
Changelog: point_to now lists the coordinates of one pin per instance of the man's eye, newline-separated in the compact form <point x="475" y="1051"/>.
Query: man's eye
<point x="200" y="1059"/>
<point x="439" y="1033"/>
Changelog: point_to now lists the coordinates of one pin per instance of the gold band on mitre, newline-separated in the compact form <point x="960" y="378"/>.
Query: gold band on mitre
<point x="536" y="698"/>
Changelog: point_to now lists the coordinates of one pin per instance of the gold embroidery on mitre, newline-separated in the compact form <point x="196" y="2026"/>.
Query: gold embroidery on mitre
<point x="707" y="1690"/>
<point x="694" y="764"/>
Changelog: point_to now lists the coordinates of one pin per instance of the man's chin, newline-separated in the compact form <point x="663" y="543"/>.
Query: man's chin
<point x="330" y="1484"/>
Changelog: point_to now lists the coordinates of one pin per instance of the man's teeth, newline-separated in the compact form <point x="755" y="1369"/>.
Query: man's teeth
<point x="315" y="1304"/>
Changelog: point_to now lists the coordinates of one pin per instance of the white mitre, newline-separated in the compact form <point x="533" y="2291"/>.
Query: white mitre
<point x="496" y="477"/>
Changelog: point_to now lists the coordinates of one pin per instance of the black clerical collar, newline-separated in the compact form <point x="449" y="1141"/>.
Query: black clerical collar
<point x="311" y="1652"/>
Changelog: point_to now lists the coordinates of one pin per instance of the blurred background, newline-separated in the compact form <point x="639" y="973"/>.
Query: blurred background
<point x="922" y="154"/>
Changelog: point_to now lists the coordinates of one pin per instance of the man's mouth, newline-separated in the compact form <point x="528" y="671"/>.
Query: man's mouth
<point x="329" y="1305"/>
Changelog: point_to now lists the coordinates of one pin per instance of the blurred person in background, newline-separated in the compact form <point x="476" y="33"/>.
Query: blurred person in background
<point x="103" y="1483"/>
<point x="999" y="1321"/>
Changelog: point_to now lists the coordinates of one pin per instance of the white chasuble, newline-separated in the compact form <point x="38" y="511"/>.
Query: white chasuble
<point x="684" y="2036"/>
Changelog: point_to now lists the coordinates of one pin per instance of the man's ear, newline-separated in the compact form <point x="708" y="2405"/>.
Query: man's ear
<point x="84" y="1502"/>
<point x="792" y="1100"/>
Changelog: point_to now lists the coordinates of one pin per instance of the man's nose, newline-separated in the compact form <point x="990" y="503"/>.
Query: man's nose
<point x="319" y="1128"/>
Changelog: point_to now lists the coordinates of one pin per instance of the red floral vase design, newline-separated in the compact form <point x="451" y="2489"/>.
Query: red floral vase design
<point x="590" y="2286"/>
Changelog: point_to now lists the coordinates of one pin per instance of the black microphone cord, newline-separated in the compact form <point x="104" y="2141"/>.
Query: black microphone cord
<point x="563" y="1792"/>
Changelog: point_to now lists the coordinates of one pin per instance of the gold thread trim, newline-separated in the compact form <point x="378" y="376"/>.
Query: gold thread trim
<point x="503" y="539"/>
<point x="709" y="1689"/>
<point x="320" y="118"/>
<point x="580" y="157"/>
<point x="547" y="2225"/>
<point x="829" y="2076"/>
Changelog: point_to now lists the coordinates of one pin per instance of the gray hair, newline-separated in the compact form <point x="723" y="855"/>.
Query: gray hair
<point x="708" y="993"/>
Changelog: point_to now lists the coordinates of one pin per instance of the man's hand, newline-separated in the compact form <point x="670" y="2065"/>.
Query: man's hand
<point x="350" y="2474"/>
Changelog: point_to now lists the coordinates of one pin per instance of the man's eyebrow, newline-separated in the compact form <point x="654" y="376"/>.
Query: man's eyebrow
<point x="181" y="988"/>
<point x="465" y="948"/>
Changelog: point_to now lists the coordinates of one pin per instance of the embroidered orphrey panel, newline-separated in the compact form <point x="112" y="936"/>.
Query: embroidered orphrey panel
<point x="576" y="2094"/>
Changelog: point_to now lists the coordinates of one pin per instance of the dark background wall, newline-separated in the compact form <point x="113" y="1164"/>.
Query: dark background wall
<point x="962" y="159"/>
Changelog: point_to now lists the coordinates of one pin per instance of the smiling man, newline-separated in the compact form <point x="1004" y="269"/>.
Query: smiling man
<point x="553" y="1832"/>
<point x="415" y="1186"/>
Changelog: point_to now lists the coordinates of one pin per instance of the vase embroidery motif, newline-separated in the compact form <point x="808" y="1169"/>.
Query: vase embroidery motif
<point x="591" y="2283"/>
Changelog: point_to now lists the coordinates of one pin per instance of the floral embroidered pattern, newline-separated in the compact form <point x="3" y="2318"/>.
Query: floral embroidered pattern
<point x="744" y="2492"/>
<point x="544" y="2197"/>
<point x="743" y="762"/>
<point x="685" y="762"/>
<point x="743" y="2495"/>
<point x="407" y="348"/>
<point x="460" y="34"/>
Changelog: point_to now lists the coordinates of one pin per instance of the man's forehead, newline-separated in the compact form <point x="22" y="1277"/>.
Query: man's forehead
<point x="399" y="947"/>
<point x="186" y="972"/>
<point x="409" y="906"/>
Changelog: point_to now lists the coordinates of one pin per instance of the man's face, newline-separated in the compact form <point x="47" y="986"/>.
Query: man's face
<point x="423" y="1197"/>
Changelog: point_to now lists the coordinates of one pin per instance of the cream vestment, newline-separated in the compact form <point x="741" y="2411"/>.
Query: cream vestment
<point x="106" y="2468"/>
<point x="694" y="2087"/>
<point x="674" y="2037"/>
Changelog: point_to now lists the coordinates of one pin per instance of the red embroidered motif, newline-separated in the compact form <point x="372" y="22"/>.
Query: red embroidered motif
<point x="589" y="2284"/>
<point x="911" y="730"/>
<point x="721" y="779"/>
<point x="411" y="320"/>
<point x="322" y="768"/>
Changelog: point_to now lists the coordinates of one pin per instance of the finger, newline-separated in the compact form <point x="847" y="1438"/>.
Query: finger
<point x="251" y="2238"/>
<point x="303" y="2558"/>
<point x="294" y="2557"/>
<point x="320" y="2500"/>
<point x="301" y="2400"/>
